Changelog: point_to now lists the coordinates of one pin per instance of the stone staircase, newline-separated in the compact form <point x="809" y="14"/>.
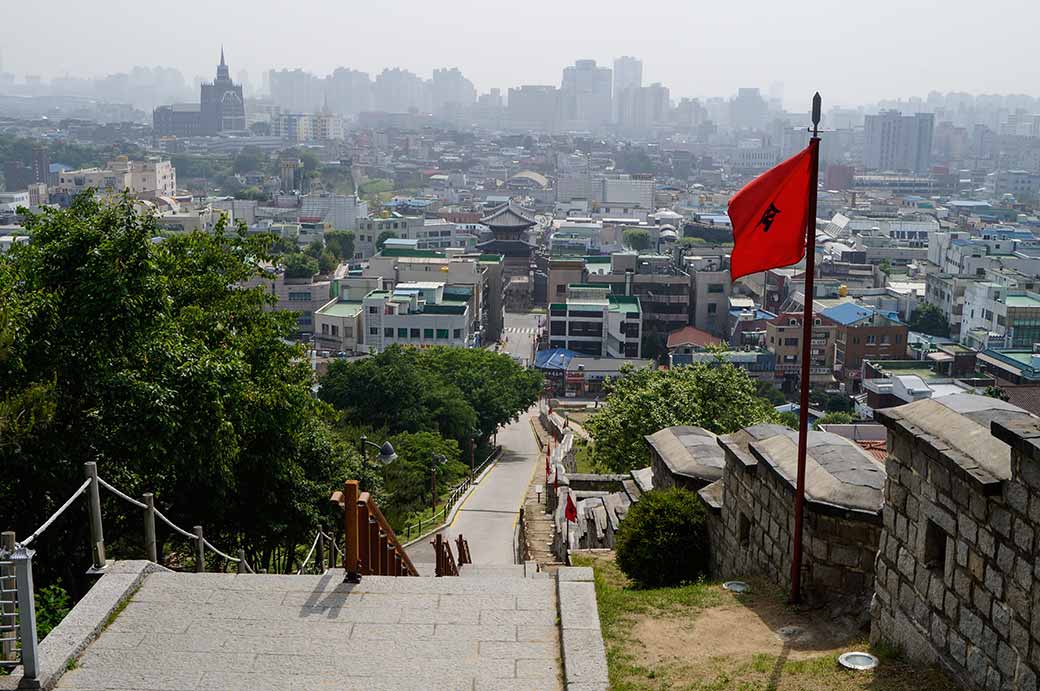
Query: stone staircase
<point x="494" y="627"/>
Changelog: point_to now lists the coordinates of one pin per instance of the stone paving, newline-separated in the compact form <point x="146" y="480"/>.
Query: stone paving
<point x="256" y="632"/>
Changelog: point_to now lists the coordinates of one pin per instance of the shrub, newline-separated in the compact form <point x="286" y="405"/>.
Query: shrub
<point x="663" y="539"/>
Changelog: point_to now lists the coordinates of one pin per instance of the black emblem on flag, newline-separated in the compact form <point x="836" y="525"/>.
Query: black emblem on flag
<point x="768" y="217"/>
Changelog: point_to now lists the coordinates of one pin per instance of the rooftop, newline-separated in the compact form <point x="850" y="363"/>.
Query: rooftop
<point x="342" y="308"/>
<point x="958" y="427"/>
<point x="839" y="474"/>
<point x="689" y="451"/>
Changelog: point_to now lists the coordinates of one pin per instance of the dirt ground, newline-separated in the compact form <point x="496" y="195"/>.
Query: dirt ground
<point x="704" y="638"/>
<point x="732" y="629"/>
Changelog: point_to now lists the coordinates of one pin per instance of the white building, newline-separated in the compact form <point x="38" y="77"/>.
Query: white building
<point x="416" y="314"/>
<point x="341" y="211"/>
<point x="594" y="322"/>
<point x="627" y="196"/>
<point x="897" y="142"/>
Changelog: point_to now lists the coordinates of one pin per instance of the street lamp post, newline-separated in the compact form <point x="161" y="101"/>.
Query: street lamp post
<point x="386" y="454"/>
<point x="435" y="460"/>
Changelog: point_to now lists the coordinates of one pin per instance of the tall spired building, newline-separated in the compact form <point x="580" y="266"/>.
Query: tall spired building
<point x="221" y="109"/>
<point x="222" y="105"/>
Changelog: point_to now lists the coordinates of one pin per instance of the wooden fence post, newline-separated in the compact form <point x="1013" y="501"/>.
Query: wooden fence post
<point x="351" y="532"/>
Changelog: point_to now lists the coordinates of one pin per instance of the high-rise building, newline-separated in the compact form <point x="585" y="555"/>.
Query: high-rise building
<point x="893" y="141"/>
<point x="533" y="107"/>
<point x="585" y="96"/>
<point x="296" y="91"/>
<point x="449" y="90"/>
<point x="628" y="74"/>
<point x="747" y="110"/>
<point x="400" y="91"/>
<point x="349" y="91"/>
<point x="641" y="108"/>
<point x="41" y="163"/>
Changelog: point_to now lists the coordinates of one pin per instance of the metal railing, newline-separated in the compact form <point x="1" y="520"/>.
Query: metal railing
<point x="453" y="497"/>
<point x="18" y="635"/>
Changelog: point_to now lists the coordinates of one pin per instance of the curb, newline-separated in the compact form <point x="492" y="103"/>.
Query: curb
<point x="581" y="639"/>
<point x="85" y="622"/>
<point x="455" y="509"/>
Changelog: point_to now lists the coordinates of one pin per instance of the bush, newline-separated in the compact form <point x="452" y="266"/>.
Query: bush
<point x="663" y="539"/>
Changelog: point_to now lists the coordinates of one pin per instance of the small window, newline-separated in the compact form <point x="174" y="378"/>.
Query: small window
<point x="388" y="332"/>
<point x="442" y="334"/>
<point x="373" y="310"/>
<point x="402" y="333"/>
<point x="427" y="333"/>
<point x="373" y="331"/>
<point x="414" y="333"/>
<point x="712" y="308"/>
<point x="745" y="530"/>
<point x="457" y="335"/>
<point x="935" y="548"/>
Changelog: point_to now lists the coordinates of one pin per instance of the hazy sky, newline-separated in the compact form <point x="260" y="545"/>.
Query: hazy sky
<point x="853" y="52"/>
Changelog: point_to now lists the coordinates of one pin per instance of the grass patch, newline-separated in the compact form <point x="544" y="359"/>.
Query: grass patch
<point x="633" y="666"/>
<point x="583" y="456"/>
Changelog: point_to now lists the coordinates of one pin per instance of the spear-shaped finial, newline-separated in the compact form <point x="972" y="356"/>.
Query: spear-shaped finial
<point x="817" y="106"/>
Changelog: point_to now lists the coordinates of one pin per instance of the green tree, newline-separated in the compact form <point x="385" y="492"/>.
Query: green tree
<point x="929" y="319"/>
<point x="406" y="481"/>
<point x="835" y="419"/>
<point x="299" y="265"/>
<point x="249" y="160"/>
<point x="149" y="359"/>
<point x="663" y="540"/>
<point x="341" y="244"/>
<point x="831" y="402"/>
<point x="885" y="267"/>
<point x="718" y="397"/>
<point x="452" y="391"/>
<point x="636" y="239"/>
<point x="314" y="249"/>
<point x="383" y="237"/>
<point x="327" y="262"/>
<point x="996" y="392"/>
<point x="764" y="389"/>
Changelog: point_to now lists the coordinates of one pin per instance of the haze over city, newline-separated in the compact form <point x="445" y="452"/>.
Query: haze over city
<point x="854" y="53"/>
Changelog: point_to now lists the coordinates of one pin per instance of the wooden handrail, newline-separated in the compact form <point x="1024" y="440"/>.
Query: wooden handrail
<point x="444" y="561"/>
<point x="370" y="545"/>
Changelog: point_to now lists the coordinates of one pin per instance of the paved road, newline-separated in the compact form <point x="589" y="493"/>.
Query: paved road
<point x="488" y="517"/>
<point x="520" y="331"/>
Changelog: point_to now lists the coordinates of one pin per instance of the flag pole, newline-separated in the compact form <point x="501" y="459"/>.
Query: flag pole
<point x="807" y="329"/>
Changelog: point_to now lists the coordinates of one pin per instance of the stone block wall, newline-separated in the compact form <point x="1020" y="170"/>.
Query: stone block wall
<point x="752" y="533"/>
<point x="957" y="574"/>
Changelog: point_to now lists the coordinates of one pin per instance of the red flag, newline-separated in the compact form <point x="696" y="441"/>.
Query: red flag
<point x="547" y="466"/>
<point x="770" y="216"/>
<point x="571" y="512"/>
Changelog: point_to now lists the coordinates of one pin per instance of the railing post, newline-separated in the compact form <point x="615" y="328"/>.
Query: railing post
<point x="364" y="560"/>
<point x="373" y="546"/>
<point x="383" y="566"/>
<point x="149" y="527"/>
<point x="351" y="531"/>
<point x="97" y="536"/>
<point x="438" y="554"/>
<point x="320" y="556"/>
<point x="22" y="559"/>
<point x="8" y="598"/>
<point x="200" y="550"/>
<point x="242" y="561"/>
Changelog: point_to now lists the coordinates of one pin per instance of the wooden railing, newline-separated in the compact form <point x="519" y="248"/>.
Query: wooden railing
<point x="445" y="562"/>
<point x="463" y="548"/>
<point x="370" y="545"/>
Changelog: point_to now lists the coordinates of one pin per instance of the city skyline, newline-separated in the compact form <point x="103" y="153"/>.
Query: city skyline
<point x="833" y="52"/>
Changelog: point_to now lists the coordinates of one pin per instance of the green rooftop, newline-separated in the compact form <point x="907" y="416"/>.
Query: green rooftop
<point x="406" y="252"/>
<point x="444" y="309"/>
<point x="343" y="308"/>
<point x="1022" y="301"/>
<point x="626" y="304"/>
<point x="598" y="259"/>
